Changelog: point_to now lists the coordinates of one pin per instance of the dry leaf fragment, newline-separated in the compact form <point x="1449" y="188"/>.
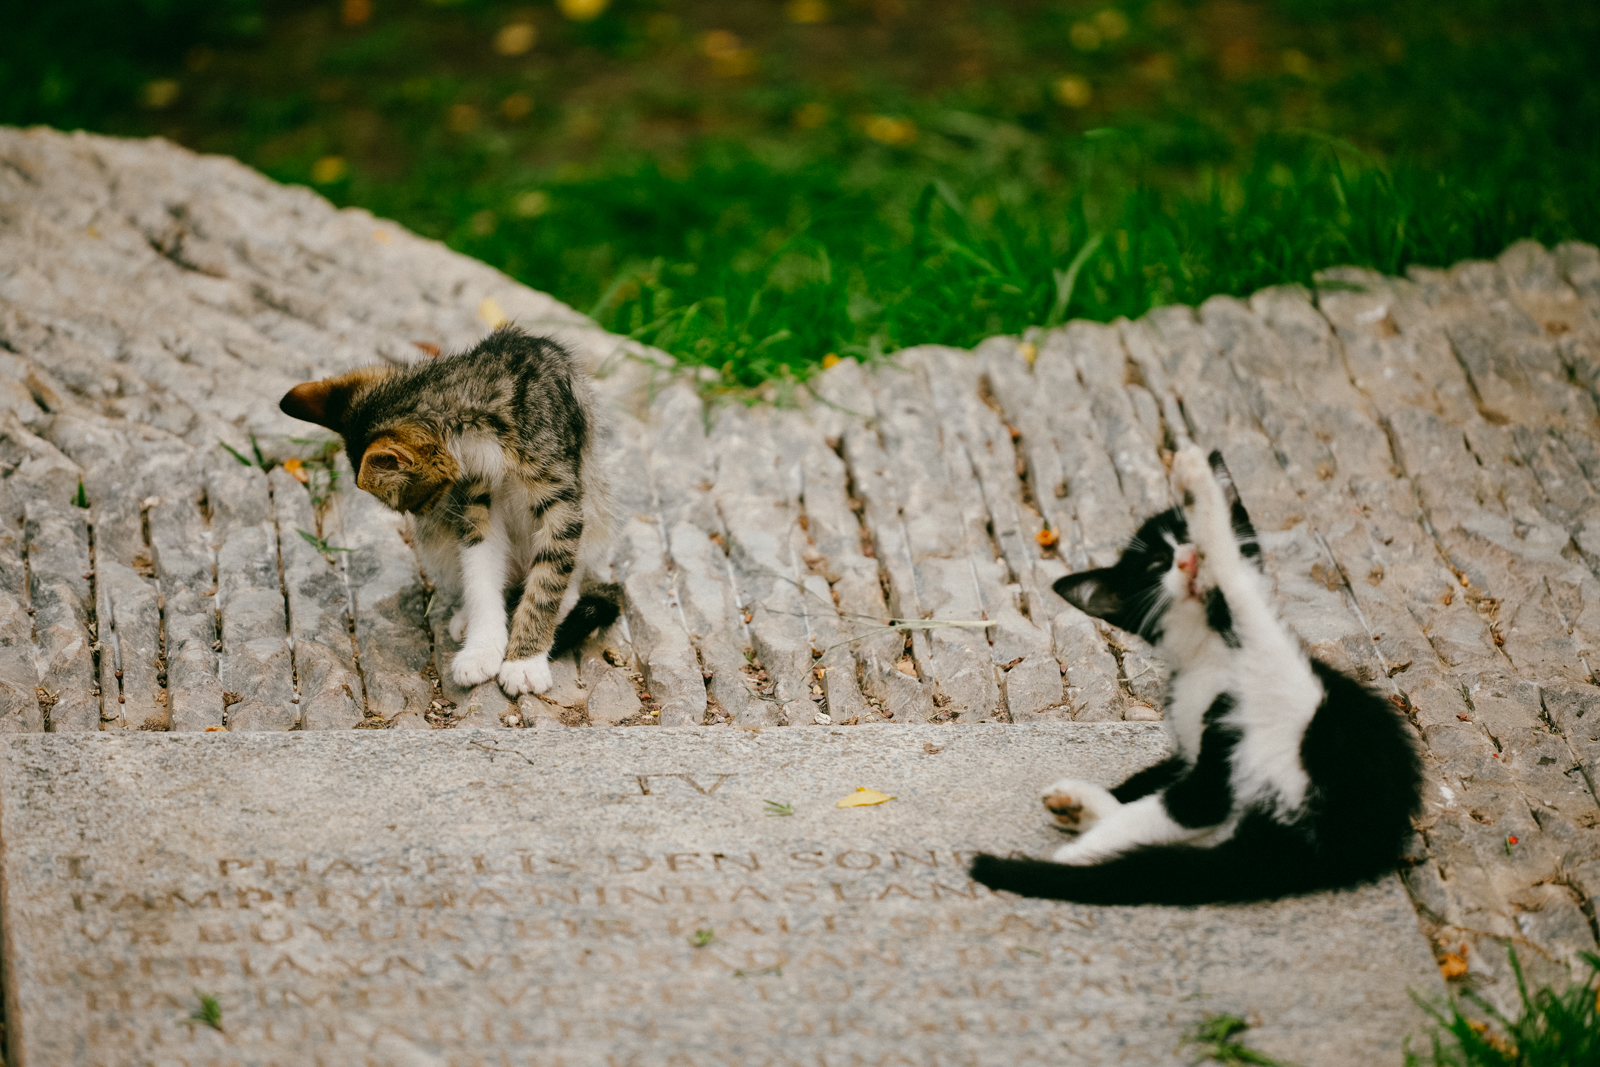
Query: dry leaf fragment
<point x="489" y="311"/>
<point x="1047" y="537"/>
<point x="216" y="729"/>
<point x="582" y="10"/>
<point x="428" y="347"/>
<point x="1029" y="351"/>
<point x="863" y="798"/>
<point x="829" y="360"/>
<point x="1452" y="966"/>
<point x="297" y="470"/>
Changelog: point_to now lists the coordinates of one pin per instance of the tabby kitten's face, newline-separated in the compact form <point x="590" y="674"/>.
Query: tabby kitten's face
<point x="401" y="460"/>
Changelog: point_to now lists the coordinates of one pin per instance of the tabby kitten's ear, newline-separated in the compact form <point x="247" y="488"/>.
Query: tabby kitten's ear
<point x="1090" y="592"/>
<point x="325" y="402"/>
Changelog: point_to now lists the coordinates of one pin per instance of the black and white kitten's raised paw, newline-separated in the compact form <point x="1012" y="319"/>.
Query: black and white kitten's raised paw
<point x="1076" y="805"/>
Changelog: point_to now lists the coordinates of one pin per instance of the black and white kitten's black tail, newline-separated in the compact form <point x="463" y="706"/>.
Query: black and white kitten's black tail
<point x="1264" y="860"/>
<point x="599" y="604"/>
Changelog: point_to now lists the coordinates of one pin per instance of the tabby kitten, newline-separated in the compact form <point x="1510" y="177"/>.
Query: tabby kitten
<point x="1288" y="775"/>
<point x="493" y="454"/>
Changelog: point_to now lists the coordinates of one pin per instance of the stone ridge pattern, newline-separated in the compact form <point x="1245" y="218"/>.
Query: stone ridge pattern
<point x="1420" y="457"/>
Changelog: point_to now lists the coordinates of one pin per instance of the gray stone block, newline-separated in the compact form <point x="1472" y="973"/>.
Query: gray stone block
<point x="537" y="895"/>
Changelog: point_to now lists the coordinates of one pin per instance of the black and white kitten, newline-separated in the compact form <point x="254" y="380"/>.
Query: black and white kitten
<point x="1289" y="776"/>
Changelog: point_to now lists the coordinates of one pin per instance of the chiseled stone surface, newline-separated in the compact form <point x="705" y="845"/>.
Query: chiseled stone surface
<point x="1420" y="455"/>
<point x="538" y="896"/>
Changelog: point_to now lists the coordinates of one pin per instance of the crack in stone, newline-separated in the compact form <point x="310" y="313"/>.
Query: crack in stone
<point x="350" y="612"/>
<point x="41" y="695"/>
<point x="288" y="613"/>
<point x="164" y="696"/>
<point x="91" y="609"/>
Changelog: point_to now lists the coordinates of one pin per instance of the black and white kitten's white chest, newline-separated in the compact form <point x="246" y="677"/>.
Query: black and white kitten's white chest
<point x="1263" y="691"/>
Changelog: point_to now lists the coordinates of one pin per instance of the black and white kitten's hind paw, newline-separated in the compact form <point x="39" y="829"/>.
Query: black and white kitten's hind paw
<point x="1076" y="805"/>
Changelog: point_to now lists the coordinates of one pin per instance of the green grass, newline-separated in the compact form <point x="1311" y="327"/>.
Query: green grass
<point x="1556" y="1028"/>
<point x="1214" y="1041"/>
<point x="849" y="277"/>
<point x="755" y="222"/>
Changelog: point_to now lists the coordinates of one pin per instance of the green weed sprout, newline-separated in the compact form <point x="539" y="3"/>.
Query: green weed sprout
<point x="209" y="1013"/>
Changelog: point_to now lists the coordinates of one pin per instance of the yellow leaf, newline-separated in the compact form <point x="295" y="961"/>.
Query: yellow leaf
<point x="329" y="169"/>
<point x="297" y="470"/>
<point x="1073" y="91"/>
<point x="1047" y="537"/>
<point x="806" y="11"/>
<point x="1452" y="966"/>
<point x="863" y="798"/>
<point x="1029" y="351"/>
<point x="161" y="93"/>
<point x="890" y="131"/>
<point x="582" y="10"/>
<point x="489" y="311"/>
<point x="515" y="38"/>
<point x="829" y="360"/>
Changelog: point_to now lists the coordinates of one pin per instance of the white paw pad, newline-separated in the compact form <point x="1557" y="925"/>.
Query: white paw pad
<point x="1075" y="806"/>
<point x="531" y="675"/>
<point x="476" y="664"/>
<point x="458" y="626"/>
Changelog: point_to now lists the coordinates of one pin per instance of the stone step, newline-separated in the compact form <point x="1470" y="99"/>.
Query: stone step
<point x="572" y="896"/>
<point x="1420" y="455"/>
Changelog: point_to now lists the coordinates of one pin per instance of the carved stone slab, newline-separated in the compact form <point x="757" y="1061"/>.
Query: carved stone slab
<point x="607" y="897"/>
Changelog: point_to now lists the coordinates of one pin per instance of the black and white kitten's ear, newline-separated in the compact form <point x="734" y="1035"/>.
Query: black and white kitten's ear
<point x="1091" y="593"/>
<point x="1244" y="530"/>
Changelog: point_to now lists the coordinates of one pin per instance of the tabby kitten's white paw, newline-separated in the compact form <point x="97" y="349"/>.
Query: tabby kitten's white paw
<point x="476" y="664"/>
<point x="531" y="675"/>
<point x="1075" y="805"/>
<point x="458" y="625"/>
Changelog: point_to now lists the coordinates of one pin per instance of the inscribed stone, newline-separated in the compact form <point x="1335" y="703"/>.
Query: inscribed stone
<point x="629" y="896"/>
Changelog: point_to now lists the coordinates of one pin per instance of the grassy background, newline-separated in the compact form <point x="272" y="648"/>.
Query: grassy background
<point x="752" y="184"/>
